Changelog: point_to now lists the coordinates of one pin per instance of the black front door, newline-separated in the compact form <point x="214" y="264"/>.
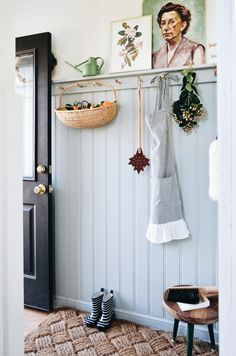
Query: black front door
<point x="33" y="83"/>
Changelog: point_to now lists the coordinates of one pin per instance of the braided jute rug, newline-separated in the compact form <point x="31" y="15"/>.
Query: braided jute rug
<point x="64" y="333"/>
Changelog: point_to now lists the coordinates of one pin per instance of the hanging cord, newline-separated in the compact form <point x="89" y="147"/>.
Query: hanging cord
<point x="139" y="114"/>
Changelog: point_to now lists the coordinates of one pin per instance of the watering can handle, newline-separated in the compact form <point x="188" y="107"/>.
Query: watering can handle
<point x="99" y="68"/>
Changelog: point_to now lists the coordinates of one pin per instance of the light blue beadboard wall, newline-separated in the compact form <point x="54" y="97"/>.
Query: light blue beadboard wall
<point x="101" y="206"/>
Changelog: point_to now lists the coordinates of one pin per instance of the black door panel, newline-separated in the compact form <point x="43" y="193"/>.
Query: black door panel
<point x="33" y="65"/>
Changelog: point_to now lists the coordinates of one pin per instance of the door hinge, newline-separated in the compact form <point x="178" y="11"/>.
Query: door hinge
<point x="50" y="169"/>
<point x="50" y="189"/>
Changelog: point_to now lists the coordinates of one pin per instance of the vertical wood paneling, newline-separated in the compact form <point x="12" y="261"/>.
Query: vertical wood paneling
<point x="99" y="183"/>
<point x="127" y="148"/>
<point x="102" y="207"/>
<point x="141" y="207"/>
<point x="61" y="215"/>
<point x="86" y="211"/>
<point x="189" y="189"/>
<point x="205" y="205"/>
<point x="113" y="208"/>
<point x="72" y="181"/>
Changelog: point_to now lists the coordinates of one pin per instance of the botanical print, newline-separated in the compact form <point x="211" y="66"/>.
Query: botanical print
<point x="179" y="32"/>
<point x="131" y="44"/>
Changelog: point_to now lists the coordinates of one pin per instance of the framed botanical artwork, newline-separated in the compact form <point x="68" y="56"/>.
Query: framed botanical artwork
<point x="131" y="44"/>
<point x="178" y="32"/>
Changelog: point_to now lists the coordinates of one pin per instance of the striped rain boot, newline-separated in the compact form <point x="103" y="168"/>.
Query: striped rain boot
<point x="107" y="312"/>
<point x="92" y="319"/>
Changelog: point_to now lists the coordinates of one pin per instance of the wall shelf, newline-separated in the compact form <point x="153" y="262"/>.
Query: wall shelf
<point x="128" y="80"/>
<point x="136" y="73"/>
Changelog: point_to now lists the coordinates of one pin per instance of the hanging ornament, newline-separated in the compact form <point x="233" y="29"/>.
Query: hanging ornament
<point x="139" y="161"/>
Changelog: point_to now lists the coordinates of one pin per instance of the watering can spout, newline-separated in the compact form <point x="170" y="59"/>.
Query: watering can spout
<point x="75" y="66"/>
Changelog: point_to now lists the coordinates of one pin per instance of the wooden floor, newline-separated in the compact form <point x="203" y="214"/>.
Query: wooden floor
<point x="32" y="318"/>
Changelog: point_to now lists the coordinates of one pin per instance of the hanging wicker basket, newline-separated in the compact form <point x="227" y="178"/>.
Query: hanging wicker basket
<point x="88" y="118"/>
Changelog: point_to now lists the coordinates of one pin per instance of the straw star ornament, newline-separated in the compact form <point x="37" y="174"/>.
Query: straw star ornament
<point x="139" y="161"/>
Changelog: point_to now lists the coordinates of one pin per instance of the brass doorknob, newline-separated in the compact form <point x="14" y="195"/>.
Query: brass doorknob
<point x="40" y="189"/>
<point x="41" y="169"/>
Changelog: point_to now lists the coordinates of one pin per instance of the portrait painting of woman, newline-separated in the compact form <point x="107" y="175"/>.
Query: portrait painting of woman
<point x="177" y="49"/>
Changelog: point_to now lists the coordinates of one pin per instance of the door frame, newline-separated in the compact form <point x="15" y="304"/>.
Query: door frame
<point x="11" y="217"/>
<point x="227" y="200"/>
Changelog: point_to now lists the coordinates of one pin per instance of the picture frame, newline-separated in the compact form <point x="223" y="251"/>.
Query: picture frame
<point x="194" y="37"/>
<point x="131" y="44"/>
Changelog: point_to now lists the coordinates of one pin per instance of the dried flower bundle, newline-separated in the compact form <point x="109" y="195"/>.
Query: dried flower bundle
<point x="188" y="110"/>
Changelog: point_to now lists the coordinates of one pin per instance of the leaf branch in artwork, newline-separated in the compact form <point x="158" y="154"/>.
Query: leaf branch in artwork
<point x="130" y="46"/>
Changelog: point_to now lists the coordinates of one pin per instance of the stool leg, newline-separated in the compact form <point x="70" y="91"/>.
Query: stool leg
<point x="175" y="329"/>
<point x="190" y="339"/>
<point x="212" y="338"/>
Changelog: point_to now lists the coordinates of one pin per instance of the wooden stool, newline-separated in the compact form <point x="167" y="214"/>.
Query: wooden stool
<point x="204" y="316"/>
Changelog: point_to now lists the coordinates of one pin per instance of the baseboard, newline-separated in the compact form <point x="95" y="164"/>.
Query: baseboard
<point x="200" y="332"/>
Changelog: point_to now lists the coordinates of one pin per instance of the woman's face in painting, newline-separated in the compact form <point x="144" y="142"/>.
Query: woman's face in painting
<point x="172" y="26"/>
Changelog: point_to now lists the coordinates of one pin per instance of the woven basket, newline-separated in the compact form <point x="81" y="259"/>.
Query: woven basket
<point x="88" y="118"/>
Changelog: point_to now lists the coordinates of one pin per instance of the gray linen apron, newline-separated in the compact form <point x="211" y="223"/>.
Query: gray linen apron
<point x="166" y="221"/>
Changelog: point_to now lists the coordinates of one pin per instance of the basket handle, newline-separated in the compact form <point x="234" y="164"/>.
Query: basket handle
<point x="80" y="84"/>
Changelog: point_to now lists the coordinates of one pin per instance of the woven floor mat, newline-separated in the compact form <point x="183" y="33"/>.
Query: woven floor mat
<point x="64" y="333"/>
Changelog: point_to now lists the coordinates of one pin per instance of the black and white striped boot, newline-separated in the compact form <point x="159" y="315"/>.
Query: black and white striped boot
<point x="107" y="312"/>
<point x="93" y="318"/>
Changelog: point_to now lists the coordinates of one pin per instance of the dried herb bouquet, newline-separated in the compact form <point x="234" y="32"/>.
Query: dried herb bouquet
<point x="188" y="110"/>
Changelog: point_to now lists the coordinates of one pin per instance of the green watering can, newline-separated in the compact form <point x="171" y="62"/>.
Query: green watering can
<point x="90" y="66"/>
